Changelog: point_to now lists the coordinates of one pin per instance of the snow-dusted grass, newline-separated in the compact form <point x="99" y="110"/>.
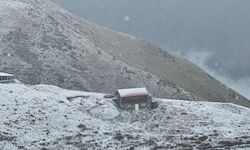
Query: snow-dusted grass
<point x="43" y="116"/>
<point x="223" y="117"/>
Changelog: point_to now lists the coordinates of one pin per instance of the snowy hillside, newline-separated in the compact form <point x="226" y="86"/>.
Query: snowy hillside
<point x="43" y="116"/>
<point x="41" y="43"/>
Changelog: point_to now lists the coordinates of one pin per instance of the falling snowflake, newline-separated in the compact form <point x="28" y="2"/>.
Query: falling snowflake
<point x="126" y="18"/>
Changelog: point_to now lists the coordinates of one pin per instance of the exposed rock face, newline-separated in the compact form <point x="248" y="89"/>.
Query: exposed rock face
<point x="42" y="43"/>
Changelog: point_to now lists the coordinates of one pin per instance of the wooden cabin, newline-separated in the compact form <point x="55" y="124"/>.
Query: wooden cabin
<point x="133" y="99"/>
<point x="6" y="78"/>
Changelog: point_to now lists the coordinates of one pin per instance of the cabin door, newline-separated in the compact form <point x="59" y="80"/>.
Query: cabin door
<point x="136" y="106"/>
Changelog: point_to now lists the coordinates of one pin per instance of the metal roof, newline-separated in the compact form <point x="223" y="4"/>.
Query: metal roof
<point x="6" y="74"/>
<point x="133" y="92"/>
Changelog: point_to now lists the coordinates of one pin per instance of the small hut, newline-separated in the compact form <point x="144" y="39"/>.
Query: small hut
<point x="133" y="99"/>
<point x="6" y="78"/>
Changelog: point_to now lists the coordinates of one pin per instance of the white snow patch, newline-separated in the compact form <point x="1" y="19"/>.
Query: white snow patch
<point x="5" y="74"/>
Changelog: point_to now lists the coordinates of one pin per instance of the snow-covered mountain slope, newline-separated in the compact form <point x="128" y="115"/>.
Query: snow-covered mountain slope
<point x="42" y="43"/>
<point x="47" y="117"/>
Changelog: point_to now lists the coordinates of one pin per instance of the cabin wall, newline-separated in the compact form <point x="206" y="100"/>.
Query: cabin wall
<point x="131" y="106"/>
<point x="118" y="98"/>
<point x="135" y="99"/>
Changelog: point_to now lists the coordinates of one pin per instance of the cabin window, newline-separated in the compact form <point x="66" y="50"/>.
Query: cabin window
<point x="3" y="78"/>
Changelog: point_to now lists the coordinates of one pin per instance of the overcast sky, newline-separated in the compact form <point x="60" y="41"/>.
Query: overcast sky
<point x="214" y="34"/>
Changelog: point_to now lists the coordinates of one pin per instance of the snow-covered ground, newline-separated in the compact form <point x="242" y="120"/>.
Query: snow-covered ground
<point x="44" y="116"/>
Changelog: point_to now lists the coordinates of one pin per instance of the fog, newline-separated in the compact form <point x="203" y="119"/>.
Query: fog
<point x="241" y="85"/>
<point x="214" y="34"/>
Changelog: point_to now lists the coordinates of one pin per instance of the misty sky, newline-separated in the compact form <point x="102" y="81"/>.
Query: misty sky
<point x="215" y="34"/>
